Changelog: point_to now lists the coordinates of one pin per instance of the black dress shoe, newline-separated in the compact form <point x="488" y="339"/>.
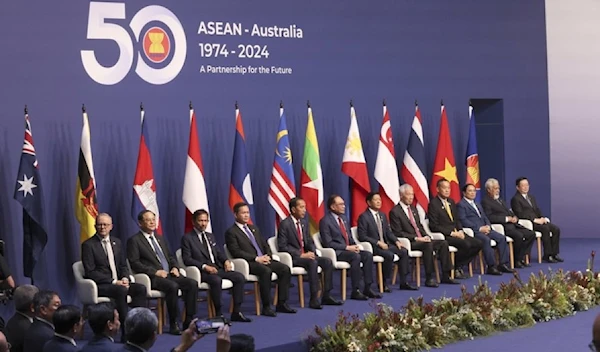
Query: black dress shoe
<point x="284" y="308"/>
<point x="519" y="265"/>
<point x="505" y="269"/>
<point x="550" y="259"/>
<point x="558" y="259"/>
<point x="459" y="274"/>
<point x="431" y="283"/>
<point x="450" y="281"/>
<point x="358" y="296"/>
<point x="269" y="312"/>
<point x="387" y="289"/>
<point x="330" y="301"/>
<point x="491" y="270"/>
<point x="525" y="264"/>
<point x="314" y="304"/>
<point x="174" y="330"/>
<point x="240" y="317"/>
<point x="369" y="293"/>
<point x="408" y="287"/>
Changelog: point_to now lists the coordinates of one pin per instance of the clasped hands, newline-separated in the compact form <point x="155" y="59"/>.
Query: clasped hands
<point x="263" y="259"/>
<point x="164" y="274"/>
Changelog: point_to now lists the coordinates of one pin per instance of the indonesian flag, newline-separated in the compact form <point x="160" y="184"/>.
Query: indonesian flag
<point x="311" y="179"/>
<point x="444" y="165"/>
<point x="144" y="184"/>
<point x="386" y="170"/>
<point x="194" y="187"/>
<point x="355" y="166"/>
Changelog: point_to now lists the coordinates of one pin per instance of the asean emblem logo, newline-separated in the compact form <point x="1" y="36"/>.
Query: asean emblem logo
<point x="156" y="45"/>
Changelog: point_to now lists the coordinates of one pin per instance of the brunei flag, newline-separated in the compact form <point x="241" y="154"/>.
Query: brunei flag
<point x="86" y="205"/>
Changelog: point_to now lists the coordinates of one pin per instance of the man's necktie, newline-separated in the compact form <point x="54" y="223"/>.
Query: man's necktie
<point x="528" y="200"/>
<point x="379" y="227"/>
<point x="253" y="240"/>
<point x="343" y="229"/>
<point x="300" y="239"/>
<point x="111" y="258"/>
<point x="475" y="206"/>
<point x="160" y="254"/>
<point x="413" y="222"/>
<point x="207" y="245"/>
<point x="447" y="206"/>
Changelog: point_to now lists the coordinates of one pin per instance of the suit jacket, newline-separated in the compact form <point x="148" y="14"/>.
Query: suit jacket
<point x="439" y="221"/>
<point x="15" y="331"/>
<point x="331" y="234"/>
<point x="95" y="260"/>
<point x="58" y="344"/>
<point x="101" y="343"/>
<point x="142" y="257"/>
<point x="522" y="209"/>
<point x="194" y="252"/>
<point x="240" y="246"/>
<point x="496" y="210"/>
<point x="469" y="217"/>
<point x="37" y="335"/>
<point x="287" y="237"/>
<point x="400" y="223"/>
<point x="368" y="231"/>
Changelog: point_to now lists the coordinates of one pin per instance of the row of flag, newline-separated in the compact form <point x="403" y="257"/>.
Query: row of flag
<point x="28" y="191"/>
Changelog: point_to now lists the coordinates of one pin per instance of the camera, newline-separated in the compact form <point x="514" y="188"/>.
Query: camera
<point x="210" y="326"/>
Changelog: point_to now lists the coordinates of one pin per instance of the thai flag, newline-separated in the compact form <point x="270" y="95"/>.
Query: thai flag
<point x="282" y="187"/>
<point x="144" y="185"/>
<point x="413" y="164"/>
<point x="240" y="188"/>
<point x="472" y="158"/>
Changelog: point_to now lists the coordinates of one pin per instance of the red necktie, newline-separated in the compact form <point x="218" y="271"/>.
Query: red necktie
<point x="300" y="237"/>
<point x="413" y="222"/>
<point x="344" y="233"/>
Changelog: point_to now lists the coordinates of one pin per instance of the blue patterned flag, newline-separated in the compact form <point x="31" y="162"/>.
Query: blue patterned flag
<point x="282" y="188"/>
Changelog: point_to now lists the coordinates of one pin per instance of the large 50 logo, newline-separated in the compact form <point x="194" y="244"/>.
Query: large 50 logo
<point x="156" y="43"/>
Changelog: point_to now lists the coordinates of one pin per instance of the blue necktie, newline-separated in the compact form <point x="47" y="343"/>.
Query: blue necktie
<point x="161" y="256"/>
<point x="253" y="240"/>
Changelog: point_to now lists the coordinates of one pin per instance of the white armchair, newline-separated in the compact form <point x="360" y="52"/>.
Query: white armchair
<point x="500" y="229"/>
<point x="440" y="237"/>
<point x="337" y="264"/>
<point x="377" y="259"/>
<point x="538" y="235"/>
<point x="241" y="266"/>
<point x="196" y="274"/>
<point x="87" y="290"/>
<point x="417" y="255"/>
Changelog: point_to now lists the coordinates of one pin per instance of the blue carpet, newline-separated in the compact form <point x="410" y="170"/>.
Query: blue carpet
<point x="285" y="332"/>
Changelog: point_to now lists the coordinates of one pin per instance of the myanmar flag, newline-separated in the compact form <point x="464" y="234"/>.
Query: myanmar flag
<point x="86" y="206"/>
<point x="311" y="180"/>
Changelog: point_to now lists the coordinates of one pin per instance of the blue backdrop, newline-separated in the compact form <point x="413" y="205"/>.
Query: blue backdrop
<point x="365" y="51"/>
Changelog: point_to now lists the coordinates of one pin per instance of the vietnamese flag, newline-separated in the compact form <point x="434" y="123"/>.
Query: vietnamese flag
<point x="444" y="165"/>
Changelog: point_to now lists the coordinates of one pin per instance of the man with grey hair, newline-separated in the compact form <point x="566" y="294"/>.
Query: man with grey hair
<point x="41" y="330"/>
<point x="499" y="213"/>
<point x="17" y="325"/>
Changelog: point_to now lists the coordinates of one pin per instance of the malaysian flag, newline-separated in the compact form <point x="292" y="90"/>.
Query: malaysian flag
<point x="28" y="192"/>
<point x="282" y="187"/>
<point x="413" y="164"/>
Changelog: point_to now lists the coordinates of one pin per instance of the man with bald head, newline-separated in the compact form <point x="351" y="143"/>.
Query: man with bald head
<point x="104" y="263"/>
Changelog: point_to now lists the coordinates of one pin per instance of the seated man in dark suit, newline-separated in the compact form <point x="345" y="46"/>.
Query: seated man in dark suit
<point x="335" y="233"/>
<point x="293" y="238"/>
<point x="149" y="254"/>
<point x="525" y="207"/>
<point x="41" y="330"/>
<point x="472" y="216"/>
<point x="405" y="222"/>
<point x="104" y="262"/>
<point x="498" y="213"/>
<point x="373" y="227"/>
<point x="103" y="318"/>
<point x="245" y="241"/>
<point x="67" y="324"/>
<point x="199" y="249"/>
<point x="443" y="217"/>
<point x="17" y="326"/>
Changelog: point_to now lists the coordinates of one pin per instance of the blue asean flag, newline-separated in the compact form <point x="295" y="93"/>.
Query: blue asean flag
<point x="240" y="188"/>
<point x="472" y="157"/>
<point x="28" y="192"/>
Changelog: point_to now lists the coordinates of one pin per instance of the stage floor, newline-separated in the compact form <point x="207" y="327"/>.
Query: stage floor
<point x="286" y="331"/>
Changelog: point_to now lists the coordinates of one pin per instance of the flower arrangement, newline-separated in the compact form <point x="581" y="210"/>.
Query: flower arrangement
<point x="424" y="325"/>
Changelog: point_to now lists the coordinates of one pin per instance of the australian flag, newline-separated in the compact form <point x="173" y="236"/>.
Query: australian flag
<point x="28" y="192"/>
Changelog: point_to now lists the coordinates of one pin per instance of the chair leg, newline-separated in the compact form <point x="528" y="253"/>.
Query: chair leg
<point x="511" y="253"/>
<point x="539" y="245"/>
<point x="437" y="270"/>
<point x="321" y="285"/>
<point x="211" y="307"/>
<point x="418" y="265"/>
<point x="481" y="262"/>
<point x="276" y="295"/>
<point x="471" y="269"/>
<point x="527" y="258"/>
<point x="301" y="290"/>
<point x="343" y="284"/>
<point x="159" y="313"/>
<point x="256" y="298"/>
<point x="231" y="305"/>
<point x="380" y="276"/>
<point x="394" y="275"/>
<point x="452" y="260"/>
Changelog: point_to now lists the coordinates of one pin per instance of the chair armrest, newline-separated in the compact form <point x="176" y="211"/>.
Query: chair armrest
<point x="366" y="246"/>
<point x="498" y="228"/>
<point x="436" y="236"/>
<point x="241" y="266"/>
<point x="193" y="273"/>
<point x="318" y="252"/>
<point x="329" y="253"/>
<point x="143" y="279"/>
<point x="285" y="258"/>
<point x="132" y="279"/>
<point x="182" y="272"/>
<point x="468" y="232"/>
<point x="526" y="224"/>
<point x="88" y="291"/>
<point x="405" y="243"/>
<point x="276" y="257"/>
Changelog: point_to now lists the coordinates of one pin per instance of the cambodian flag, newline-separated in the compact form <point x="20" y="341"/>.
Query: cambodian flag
<point x="472" y="159"/>
<point x="240" y="188"/>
